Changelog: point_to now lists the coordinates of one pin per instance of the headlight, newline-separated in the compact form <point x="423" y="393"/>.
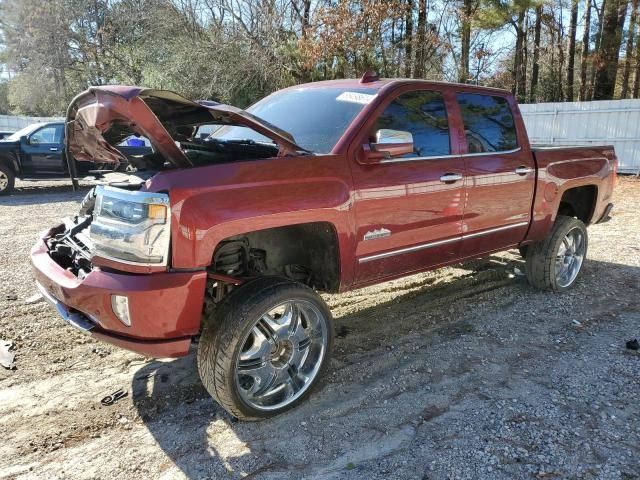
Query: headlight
<point x="133" y="227"/>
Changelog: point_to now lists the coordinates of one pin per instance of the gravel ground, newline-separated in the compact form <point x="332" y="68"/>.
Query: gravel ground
<point x="465" y="372"/>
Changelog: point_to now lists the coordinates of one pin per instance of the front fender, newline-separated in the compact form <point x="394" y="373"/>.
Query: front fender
<point x="212" y="203"/>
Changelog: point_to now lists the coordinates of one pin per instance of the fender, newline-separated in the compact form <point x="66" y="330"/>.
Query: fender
<point x="209" y="204"/>
<point x="557" y="174"/>
<point x="10" y="159"/>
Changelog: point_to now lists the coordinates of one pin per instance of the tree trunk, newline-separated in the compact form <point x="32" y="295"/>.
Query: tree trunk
<point x="607" y="66"/>
<point x="419" y="66"/>
<point x="519" y="67"/>
<point x="408" y="39"/>
<point x="536" y="55"/>
<point x="572" y="49"/>
<point x="636" y="80"/>
<point x="585" y="51"/>
<point x="628" y="49"/>
<point x="465" y="39"/>
<point x="596" y="50"/>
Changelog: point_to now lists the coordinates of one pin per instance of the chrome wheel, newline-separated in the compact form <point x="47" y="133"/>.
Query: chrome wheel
<point x="4" y="181"/>
<point x="570" y="257"/>
<point x="281" y="355"/>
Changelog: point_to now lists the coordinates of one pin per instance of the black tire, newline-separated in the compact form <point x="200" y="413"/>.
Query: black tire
<point x="541" y="256"/>
<point x="6" y="173"/>
<point x="523" y="251"/>
<point x="226" y="329"/>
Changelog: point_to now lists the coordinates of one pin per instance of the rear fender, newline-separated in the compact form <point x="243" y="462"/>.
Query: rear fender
<point x="557" y="175"/>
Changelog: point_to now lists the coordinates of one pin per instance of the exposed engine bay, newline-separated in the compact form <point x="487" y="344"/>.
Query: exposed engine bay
<point x="99" y="119"/>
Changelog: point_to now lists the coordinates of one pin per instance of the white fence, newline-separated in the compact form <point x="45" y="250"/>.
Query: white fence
<point x="608" y="122"/>
<point x="12" y="123"/>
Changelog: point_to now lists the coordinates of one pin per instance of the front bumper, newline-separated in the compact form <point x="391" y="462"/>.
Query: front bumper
<point x="165" y="308"/>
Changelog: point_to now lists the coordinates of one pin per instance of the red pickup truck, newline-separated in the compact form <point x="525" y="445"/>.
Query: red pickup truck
<point x="225" y="239"/>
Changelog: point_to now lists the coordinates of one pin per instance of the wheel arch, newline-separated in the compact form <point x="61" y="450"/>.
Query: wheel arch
<point x="308" y="252"/>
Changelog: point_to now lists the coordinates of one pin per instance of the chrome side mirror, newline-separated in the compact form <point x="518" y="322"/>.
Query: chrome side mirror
<point x="389" y="144"/>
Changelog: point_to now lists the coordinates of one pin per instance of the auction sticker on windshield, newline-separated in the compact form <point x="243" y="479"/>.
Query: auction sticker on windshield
<point x="356" y="97"/>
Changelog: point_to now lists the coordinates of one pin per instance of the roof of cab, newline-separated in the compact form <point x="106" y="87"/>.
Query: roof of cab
<point x="356" y="83"/>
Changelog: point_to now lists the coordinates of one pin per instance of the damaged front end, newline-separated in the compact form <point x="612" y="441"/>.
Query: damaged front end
<point x="129" y="230"/>
<point x="102" y="117"/>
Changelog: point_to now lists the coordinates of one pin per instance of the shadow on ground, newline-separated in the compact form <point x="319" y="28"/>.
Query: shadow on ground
<point x="203" y="440"/>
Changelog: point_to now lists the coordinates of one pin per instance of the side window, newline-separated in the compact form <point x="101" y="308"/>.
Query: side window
<point x="488" y="123"/>
<point x="423" y="114"/>
<point x="52" y="134"/>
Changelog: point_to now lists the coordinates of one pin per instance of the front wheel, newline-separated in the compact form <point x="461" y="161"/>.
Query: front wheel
<point x="554" y="264"/>
<point x="264" y="347"/>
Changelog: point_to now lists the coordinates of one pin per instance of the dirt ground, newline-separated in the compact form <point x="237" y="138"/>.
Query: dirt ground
<point x="466" y="372"/>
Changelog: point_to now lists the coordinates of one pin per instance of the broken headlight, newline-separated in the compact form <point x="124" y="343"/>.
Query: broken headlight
<point x="131" y="227"/>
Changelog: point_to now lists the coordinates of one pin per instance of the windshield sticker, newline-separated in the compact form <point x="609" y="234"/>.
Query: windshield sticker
<point x="355" y="97"/>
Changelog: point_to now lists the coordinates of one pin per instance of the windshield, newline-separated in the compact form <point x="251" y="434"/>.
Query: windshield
<point x="15" y="136"/>
<point x="316" y="117"/>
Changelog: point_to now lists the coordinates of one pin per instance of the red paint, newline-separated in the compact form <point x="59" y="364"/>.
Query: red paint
<point x="209" y="204"/>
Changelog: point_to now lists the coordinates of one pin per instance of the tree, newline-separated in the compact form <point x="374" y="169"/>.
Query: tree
<point x="615" y="12"/>
<point x="572" y="49"/>
<point x="536" y="54"/>
<point x="629" y="49"/>
<point x="584" y="58"/>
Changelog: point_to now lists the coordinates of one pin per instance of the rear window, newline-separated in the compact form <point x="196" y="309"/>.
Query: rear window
<point x="488" y="123"/>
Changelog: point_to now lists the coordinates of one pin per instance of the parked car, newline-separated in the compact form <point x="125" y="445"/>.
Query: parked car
<point x="329" y="186"/>
<point x="36" y="152"/>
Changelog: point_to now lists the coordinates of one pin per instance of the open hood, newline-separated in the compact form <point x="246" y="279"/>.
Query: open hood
<point x="101" y="117"/>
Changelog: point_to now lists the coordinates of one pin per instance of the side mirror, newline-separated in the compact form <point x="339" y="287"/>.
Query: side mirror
<point x="24" y="139"/>
<point x="389" y="144"/>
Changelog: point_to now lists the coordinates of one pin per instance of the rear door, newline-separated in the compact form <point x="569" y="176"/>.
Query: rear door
<point x="500" y="174"/>
<point x="42" y="153"/>
<point x="408" y="210"/>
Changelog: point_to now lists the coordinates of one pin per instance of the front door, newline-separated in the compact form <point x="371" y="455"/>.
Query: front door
<point x="500" y="176"/>
<point x="409" y="210"/>
<point x="42" y="152"/>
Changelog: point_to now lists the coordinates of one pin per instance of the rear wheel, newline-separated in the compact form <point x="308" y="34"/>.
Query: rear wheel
<point x="555" y="263"/>
<point x="264" y="347"/>
<point x="7" y="179"/>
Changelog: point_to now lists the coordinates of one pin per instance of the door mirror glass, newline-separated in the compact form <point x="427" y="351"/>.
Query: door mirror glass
<point x="389" y="144"/>
<point x="24" y="139"/>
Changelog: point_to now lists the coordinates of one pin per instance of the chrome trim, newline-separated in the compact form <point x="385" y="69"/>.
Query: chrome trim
<point x="415" y="248"/>
<point x="424" y="246"/>
<point x="523" y="170"/>
<point x="379" y="233"/>
<point x="75" y="319"/>
<point x="450" y="177"/>
<point x="493" y="230"/>
<point x="445" y="157"/>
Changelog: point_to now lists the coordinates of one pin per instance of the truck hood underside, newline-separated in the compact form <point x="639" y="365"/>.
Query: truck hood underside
<point x="101" y="117"/>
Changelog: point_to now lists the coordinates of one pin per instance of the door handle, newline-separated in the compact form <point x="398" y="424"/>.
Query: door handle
<point x="450" y="177"/>
<point x="522" y="170"/>
<point x="53" y="149"/>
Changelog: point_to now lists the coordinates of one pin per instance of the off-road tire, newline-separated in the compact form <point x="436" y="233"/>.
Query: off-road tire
<point x="11" y="178"/>
<point x="228" y="325"/>
<point x="541" y="256"/>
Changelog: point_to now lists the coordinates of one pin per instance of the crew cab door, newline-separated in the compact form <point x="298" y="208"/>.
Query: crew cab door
<point x="500" y="174"/>
<point x="408" y="210"/>
<point x="42" y="151"/>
